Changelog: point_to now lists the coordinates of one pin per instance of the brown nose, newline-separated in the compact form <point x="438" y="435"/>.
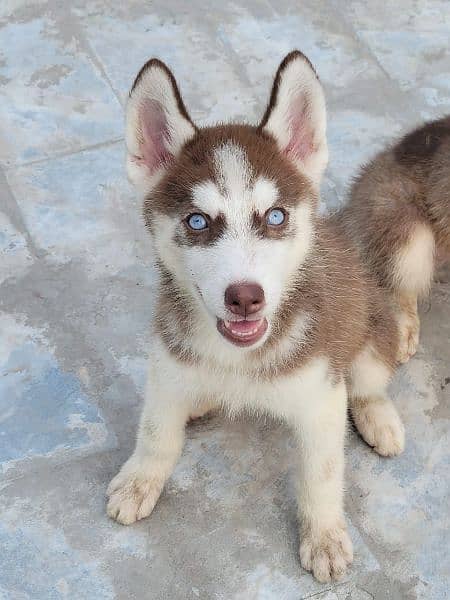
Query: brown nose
<point x="244" y="298"/>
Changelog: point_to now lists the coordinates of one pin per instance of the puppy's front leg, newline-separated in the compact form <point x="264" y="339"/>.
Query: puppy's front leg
<point x="325" y="547"/>
<point x="135" y="490"/>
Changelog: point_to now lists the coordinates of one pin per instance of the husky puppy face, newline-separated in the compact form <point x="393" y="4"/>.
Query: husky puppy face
<point x="230" y="208"/>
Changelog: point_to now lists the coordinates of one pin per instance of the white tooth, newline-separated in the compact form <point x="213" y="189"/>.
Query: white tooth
<point x="241" y="333"/>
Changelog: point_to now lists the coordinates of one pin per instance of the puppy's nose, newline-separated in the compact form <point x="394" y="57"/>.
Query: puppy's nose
<point x="244" y="298"/>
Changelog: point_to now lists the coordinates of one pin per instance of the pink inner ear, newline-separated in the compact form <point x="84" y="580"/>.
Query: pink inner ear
<point x="155" y="133"/>
<point x="301" y="142"/>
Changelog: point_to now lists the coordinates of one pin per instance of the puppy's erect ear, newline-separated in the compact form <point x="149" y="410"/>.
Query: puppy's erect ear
<point x="157" y="127"/>
<point x="296" y="115"/>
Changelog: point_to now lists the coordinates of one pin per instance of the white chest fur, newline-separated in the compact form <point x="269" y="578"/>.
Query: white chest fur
<point x="286" y="396"/>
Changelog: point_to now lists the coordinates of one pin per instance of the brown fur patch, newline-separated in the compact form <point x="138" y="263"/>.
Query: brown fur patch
<point x="422" y="143"/>
<point x="173" y="318"/>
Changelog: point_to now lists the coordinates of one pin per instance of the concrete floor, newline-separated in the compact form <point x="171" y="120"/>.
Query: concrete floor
<point x="76" y="298"/>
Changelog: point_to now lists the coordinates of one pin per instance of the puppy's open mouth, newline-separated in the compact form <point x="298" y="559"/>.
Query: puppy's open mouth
<point x="242" y="333"/>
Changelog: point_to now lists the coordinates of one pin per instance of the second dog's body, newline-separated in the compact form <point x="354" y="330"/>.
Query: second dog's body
<point x="398" y="215"/>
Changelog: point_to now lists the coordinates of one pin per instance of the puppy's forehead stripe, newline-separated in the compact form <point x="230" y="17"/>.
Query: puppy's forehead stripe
<point x="232" y="169"/>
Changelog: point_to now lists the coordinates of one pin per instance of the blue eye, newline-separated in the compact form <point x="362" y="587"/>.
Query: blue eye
<point x="197" y="222"/>
<point x="275" y="217"/>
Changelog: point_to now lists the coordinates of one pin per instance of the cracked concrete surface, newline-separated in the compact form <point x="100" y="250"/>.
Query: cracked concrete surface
<point x="76" y="298"/>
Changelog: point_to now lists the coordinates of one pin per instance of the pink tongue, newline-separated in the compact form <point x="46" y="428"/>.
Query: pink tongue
<point x="244" y="326"/>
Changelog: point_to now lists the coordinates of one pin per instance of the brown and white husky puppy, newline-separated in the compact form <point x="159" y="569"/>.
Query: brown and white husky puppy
<point x="262" y="305"/>
<point x="399" y="216"/>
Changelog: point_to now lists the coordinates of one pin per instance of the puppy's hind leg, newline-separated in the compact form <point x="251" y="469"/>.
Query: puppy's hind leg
<point x="412" y="273"/>
<point x="373" y="413"/>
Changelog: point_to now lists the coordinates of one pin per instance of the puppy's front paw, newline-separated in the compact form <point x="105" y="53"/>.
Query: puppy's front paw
<point x="132" y="494"/>
<point x="326" y="553"/>
<point x="380" y="426"/>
